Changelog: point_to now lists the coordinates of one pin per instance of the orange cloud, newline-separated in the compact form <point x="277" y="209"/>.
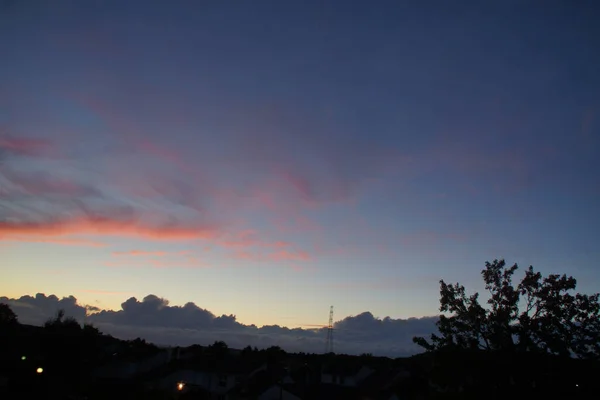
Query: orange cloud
<point x="52" y="240"/>
<point x="104" y="227"/>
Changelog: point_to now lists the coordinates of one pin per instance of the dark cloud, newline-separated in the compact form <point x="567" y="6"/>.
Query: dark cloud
<point x="155" y="320"/>
<point x="35" y="310"/>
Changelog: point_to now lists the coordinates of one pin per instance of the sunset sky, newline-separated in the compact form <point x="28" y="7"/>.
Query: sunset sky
<point x="269" y="159"/>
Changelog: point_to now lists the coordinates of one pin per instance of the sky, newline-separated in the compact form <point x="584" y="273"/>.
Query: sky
<point x="269" y="159"/>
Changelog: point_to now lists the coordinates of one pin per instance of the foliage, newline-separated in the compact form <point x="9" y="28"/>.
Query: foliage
<point x="218" y="350"/>
<point x="219" y="345"/>
<point x="274" y="354"/>
<point x="69" y="325"/>
<point x="91" y="330"/>
<point x="7" y="316"/>
<point x="62" y="324"/>
<point x="540" y="314"/>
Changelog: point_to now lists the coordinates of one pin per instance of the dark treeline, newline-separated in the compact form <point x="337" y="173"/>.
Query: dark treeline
<point x="535" y="338"/>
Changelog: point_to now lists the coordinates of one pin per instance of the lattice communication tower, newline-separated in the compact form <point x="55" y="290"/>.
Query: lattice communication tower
<point x="329" y="342"/>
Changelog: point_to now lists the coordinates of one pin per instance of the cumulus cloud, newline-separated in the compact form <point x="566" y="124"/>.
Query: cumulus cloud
<point x="154" y="319"/>
<point x="36" y="310"/>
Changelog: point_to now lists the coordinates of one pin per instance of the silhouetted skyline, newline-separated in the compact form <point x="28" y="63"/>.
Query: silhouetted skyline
<point x="156" y="320"/>
<point x="269" y="159"/>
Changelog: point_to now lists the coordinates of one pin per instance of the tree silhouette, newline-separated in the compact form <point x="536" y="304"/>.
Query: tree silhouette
<point x="247" y="351"/>
<point x="91" y="330"/>
<point x="274" y="354"/>
<point x="60" y="324"/>
<point x="218" y="349"/>
<point x="552" y="319"/>
<point x="7" y="316"/>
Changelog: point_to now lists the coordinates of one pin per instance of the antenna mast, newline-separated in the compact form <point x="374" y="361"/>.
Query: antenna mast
<point x="329" y="343"/>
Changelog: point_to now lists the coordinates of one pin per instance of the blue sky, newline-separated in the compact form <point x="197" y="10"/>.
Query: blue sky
<point x="268" y="159"/>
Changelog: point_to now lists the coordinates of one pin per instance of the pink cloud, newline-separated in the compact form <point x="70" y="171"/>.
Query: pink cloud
<point x="41" y="183"/>
<point x="51" y="240"/>
<point x="24" y="146"/>
<point x="190" y="262"/>
<point x="163" y="152"/>
<point x="284" y="192"/>
<point x="503" y="169"/>
<point x="317" y="192"/>
<point x="104" y="227"/>
<point x="249" y="238"/>
<point x="134" y="135"/>
<point x="140" y="253"/>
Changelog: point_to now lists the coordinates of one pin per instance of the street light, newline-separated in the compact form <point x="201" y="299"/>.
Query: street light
<point x="39" y="370"/>
<point x="180" y="386"/>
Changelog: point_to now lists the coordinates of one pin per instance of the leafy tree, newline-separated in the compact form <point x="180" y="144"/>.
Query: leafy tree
<point x="247" y="351"/>
<point x="273" y="354"/>
<point x="7" y="316"/>
<point x="540" y="314"/>
<point x="60" y="324"/>
<point x="91" y="330"/>
<point x="218" y="349"/>
<point x="219" y="345"/>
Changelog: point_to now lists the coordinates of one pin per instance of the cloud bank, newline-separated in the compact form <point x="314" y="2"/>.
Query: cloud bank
<point x="154" y="319"/>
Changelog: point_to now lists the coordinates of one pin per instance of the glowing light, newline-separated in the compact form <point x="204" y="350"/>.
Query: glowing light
<point x="39" y="370"/>
<point x="180" y="386"/>
<point x="23" y="358"/>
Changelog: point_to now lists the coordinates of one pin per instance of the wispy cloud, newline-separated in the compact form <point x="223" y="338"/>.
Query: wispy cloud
<point x="249" y="238"/>
<point x="191" y="262"/>
<point x="185" y="195"/>
<point x="103" y="227"/>
<point x="140" y="253"/>
<point x="277" y="256"/>
<point x="24" y="146"/>
<point x="42" y="183"/>
<point x="65" y="241"/>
